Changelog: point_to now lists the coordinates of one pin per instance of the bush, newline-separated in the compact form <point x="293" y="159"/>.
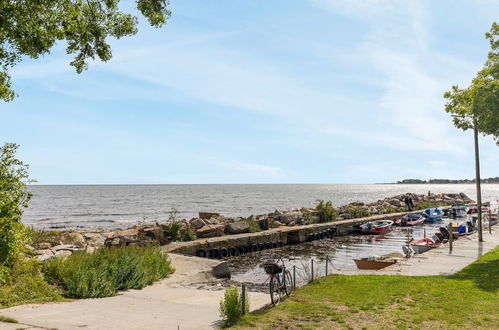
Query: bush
<point x="326" y="210"/>
<point x="357" y="212"/>
<point x="231" y="306"/>
<point x="26" y="285"/>
<point x="107" y="270"/>
<point x="14" y="197"/>
<point x="188" y="234"/>
<point x="254" y="227"/>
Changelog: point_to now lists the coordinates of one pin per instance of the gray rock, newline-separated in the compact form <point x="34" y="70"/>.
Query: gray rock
<point x="289" y="217"/>
<point x="63" y="253"/>
<point x="238" y="227"/>
<point x="44" y="245"/>
<point x="44" y="252"/>
<point x="76" y="239"/>
<point x="395" y="202"/>
<point x="66" y="247"/>
<point x="208" y="215"/>
<point x="210" y="231"/>
<point x="221" y="270"/>
<point x="197" y="223"/>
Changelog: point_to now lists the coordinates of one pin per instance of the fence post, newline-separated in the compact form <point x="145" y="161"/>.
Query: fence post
<point x="424" y="232"/>
<point x="451" y="237"/>
<point x="243" y="299"/>
<point x="312" y="273"/>
<point x="490" y="220"/>
<point x="327" y="259"/>
<point x="294" y="277"/>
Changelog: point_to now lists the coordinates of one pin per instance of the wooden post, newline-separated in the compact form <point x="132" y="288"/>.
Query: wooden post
<point x="451" y="237"/>
<point x="424" y="232"/>
<point x="490" y="220"/>
<point x="312" y="277"/>
<point x="243" y="293"/>
<point x="327" y="259"/>
<point x="294" y="277"/>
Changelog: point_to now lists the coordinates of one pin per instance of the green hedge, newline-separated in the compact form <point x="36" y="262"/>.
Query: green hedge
<point x="107" y="270"/>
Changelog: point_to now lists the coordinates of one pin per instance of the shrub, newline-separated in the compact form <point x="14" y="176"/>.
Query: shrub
<point x="231" y="306"/>
<point x="26" y="285"/>
<point x="174" y="225"/>
<point x="424" y="205"/>
<point x="357" y="212"/>
<point x="107" y="270"/>
<point x="188" y="234"/>
<point x="14" y="197"/>
<point x="254" y="227"/>
<point x="326" y="210"/>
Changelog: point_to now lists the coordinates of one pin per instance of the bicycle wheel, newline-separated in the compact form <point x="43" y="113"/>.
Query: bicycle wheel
<point x="287" y="282"/>
<point x="275" y="290"/>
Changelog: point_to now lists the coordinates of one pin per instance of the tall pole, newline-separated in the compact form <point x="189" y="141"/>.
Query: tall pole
<point x="478" y="188"/>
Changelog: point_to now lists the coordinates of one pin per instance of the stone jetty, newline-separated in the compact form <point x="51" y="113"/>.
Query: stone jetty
<point x="214" y="225"/>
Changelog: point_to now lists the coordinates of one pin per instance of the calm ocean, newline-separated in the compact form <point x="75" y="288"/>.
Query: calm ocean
<point x="111" y="206"/>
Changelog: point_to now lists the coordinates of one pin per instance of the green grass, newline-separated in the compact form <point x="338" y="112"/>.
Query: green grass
<point x="466" y="300"/>
<point x="108" y="270"/>
<point x="7" y="319"/>
<point x="27" y="285"/>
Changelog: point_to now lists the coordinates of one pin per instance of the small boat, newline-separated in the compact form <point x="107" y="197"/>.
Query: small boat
<point x="376" y="227"/>
<point x="433" y="214"/>
<point x="378" y="262"/>
<point x="458" y="210"/>
<point x="410" y="220"/>
<point x="425" y="244"/>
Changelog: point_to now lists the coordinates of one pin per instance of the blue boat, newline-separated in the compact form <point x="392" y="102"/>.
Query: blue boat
<point x="433" y="214"/>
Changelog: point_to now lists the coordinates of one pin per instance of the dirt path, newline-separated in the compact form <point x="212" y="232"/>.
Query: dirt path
<point x="167" y="304"/>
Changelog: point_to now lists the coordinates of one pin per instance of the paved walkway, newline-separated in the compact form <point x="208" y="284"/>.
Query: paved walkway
<point x="167" y="304"/>
<point x="440" y="261"/>
<point x="170" y="305"/>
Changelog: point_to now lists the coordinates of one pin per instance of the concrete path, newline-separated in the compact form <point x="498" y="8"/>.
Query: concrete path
<point x="440" y="261"/>
<point x="170" y="305"/>
<point x="165" y="305"/>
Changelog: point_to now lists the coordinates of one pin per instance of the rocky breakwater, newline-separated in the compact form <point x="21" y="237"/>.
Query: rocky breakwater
<point x="209" y="225"/>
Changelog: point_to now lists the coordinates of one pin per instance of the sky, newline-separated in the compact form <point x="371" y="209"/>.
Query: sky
<point x="232" y="91"/>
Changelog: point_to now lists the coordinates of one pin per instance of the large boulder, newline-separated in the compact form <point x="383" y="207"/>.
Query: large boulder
<point x="237" y="227"/>
<point x="210" y="231"/>
<point x="395" y="202"/>
<point x="196" y="223"/>
<point x="156" y="233"/>
<point x="289" y="217"/>
<point x="221" y="270"/>
<point x="208" y="215"/>
<point x="123" y="237"/>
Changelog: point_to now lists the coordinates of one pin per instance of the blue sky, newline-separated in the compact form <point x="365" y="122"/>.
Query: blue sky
<point x="318" y="91"/>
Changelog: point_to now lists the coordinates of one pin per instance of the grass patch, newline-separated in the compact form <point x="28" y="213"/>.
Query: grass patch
<point x="254" y="227"/>
<point x="108" y="270"/>
<point x="7" y="319"/>
<point x="468" y="299"/>
<point x="27" y="285"/>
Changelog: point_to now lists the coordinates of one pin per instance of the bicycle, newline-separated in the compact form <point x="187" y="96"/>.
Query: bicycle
<point x="281" y="283"/>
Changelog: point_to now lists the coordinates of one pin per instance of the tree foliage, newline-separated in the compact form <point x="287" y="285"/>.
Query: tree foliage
<point x="32" y="27"/>
<point x="478" y="105"/>
<point x="14" y="197"/>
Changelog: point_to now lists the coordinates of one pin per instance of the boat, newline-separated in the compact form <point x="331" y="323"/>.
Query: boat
<point x="425" y="244"/>
<point x="433" y="214"/>
<point x="378" y="262"/>
<point x="376" y="227"/>
<point x="458" y="210"/>
<point x="410" y="220"/>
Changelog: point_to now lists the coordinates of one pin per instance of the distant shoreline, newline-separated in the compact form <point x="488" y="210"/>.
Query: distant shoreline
<point x="447" y="181"/>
